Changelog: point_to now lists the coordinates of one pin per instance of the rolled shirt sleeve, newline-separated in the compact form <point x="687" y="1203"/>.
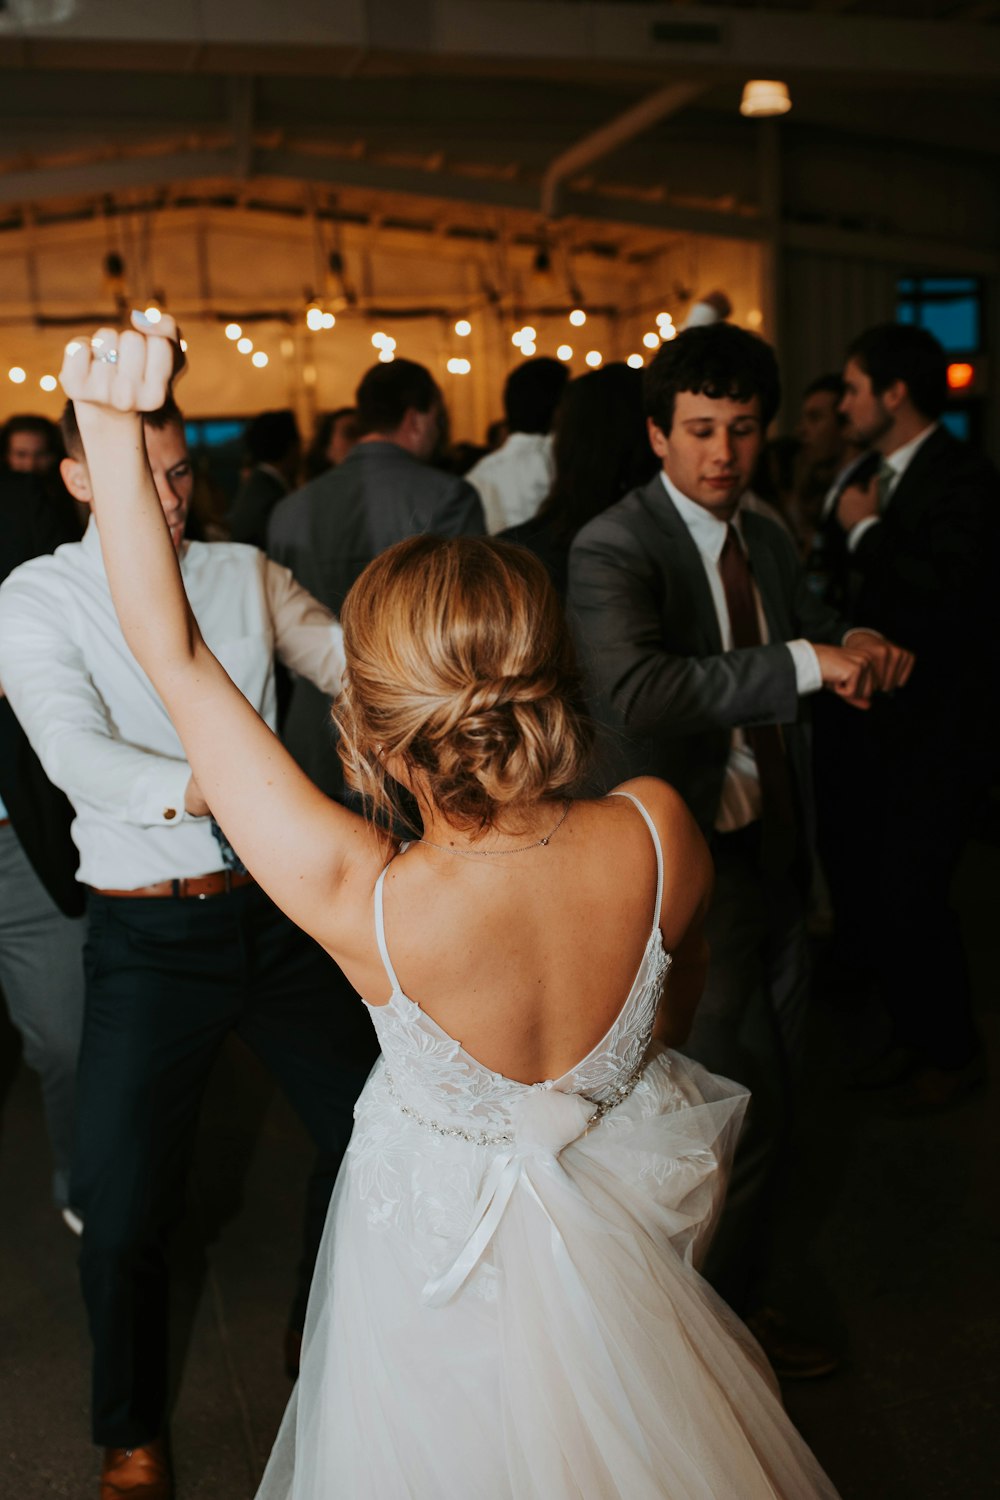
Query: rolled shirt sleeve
<point x="307" y="637"/>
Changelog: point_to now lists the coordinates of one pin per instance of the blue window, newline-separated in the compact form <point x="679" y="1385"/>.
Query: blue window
<point x="949" y="307"/>
<point x="958" y="423"/>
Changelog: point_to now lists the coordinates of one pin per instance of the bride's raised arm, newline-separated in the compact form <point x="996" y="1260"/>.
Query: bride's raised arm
<point x="299" y="845"/>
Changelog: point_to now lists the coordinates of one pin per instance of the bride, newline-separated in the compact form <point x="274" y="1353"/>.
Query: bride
<point x="506" y="1304"/>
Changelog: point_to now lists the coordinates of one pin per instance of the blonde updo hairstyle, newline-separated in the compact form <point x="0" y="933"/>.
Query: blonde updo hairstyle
<point x="459" y="667"/>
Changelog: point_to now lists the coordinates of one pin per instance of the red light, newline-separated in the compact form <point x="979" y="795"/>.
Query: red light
<point x="960" y="377"/>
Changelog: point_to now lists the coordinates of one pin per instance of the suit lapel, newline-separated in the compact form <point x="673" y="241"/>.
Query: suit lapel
<point x="689" y="598"/>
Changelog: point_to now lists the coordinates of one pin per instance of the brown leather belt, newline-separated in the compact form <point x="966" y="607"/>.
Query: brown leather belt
<point x="218" y="883"/>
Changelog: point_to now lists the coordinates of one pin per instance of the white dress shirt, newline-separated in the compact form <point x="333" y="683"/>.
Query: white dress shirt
<point x="513" y="481"/>
<point x="91" y="713"/>
<point x="740" y="802"/>
<point x="898" y="463"/>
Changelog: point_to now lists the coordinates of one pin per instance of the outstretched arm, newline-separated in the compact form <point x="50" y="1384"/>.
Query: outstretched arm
<point x="302" y="848"/>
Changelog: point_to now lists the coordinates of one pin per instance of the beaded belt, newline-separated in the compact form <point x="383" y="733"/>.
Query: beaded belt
<point x="617" y="1096"/>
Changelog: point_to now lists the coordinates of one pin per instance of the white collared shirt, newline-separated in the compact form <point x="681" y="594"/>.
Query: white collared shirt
<point x="898" y="462"/>
<point x="91" y="713"/>
<point x="740" y="802"/>
<point x="513" y="481"/>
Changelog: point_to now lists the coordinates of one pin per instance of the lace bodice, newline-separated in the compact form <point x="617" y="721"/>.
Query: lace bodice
<point x="436" y="1082"/>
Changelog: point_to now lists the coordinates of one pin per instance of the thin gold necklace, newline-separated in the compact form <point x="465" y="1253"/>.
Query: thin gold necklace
<point x="485" y="853"/>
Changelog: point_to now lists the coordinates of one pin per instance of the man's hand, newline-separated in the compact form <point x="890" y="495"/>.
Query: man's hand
<point x="891" y="665"/>
<point x="846" y="672"/>
<point x="130" y="371"/>
<point x="194" y="802"/>
<point x="857" y="503"/>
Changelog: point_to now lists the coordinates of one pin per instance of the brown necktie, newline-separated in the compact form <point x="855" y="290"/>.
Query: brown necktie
<point x="777" y="796"/>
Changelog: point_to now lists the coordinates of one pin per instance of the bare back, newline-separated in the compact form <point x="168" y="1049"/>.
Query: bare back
<point x="528" y="958"/>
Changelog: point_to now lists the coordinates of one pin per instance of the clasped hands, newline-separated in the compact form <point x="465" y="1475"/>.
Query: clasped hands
<point x="867" y="664"/>
<point x="857" y="503"/>
<point x="131" y="371"/>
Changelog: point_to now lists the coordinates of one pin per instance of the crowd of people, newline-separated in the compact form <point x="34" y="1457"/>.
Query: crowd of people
<point x="794" y="638"/>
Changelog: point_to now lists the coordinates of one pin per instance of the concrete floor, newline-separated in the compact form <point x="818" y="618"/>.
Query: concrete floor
<point x="902" y="1221"/>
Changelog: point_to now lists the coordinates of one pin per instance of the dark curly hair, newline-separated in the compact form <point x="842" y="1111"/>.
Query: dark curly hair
<point x="720" y="361"/>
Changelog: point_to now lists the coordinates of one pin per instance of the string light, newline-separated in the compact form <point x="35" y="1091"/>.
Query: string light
<point x="381" y="341"/>
<point x="668" y="332"/>
<point x="517" y="339"/>
<point x="386" y="356"/>
<point x="578" y="317"/>
<point x="635" y="361"/>
<point x="459" y="366"/>
<point x="259" y="359"/>
<point x="16" y="374"/>
<point x="48" y="382"/>
<point x="528" y="348"/>
<point x="245" y="345"/>
<point x="662" y="318"/>
<point x="564" y="351"/>
<point x="529" y="333"/>
<point x="651" y="340"/>
<point x="152" y="314"/>
<point x="594" y="358"/>
<point x="463" y="328"/>
<point x="234" y="331"/>
<point x="327" y="320"/>
<point x="314" y="319"/>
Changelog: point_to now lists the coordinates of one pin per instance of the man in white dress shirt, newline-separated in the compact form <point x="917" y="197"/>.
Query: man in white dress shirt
<point x="183" y="946"/>
<point x="514" y="480"/>
<point x="701" y="642"/>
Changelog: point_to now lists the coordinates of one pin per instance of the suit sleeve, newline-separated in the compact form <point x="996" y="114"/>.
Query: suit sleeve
<point x="67" y="722"/>
<point x="617" y="615"/>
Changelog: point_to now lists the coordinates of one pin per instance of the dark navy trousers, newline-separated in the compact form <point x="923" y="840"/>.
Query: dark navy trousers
<point x="167" y="979"/>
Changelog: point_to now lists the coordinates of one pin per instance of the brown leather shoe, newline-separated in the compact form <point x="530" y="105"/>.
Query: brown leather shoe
<point x="137" y="1473"/>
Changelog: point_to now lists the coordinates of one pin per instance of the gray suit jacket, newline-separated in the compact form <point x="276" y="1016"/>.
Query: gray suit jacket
<point x="658" y="680"/>
<point x="330" y="530"/>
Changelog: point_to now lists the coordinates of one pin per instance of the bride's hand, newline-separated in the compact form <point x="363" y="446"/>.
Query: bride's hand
<point x="130" y="371"/>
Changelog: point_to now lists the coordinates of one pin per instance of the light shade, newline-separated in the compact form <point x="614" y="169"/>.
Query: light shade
<point x="765" y="96"/>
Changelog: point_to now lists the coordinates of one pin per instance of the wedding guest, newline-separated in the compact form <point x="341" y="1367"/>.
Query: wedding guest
<point x="329" y="530"/>
<point x="923" y="535"/>
<point x="30" y="445"/>
<point x="600" y="451"/>
<point x="514" y="480"/>
<point x="42" y="923"/>
<point x="702" y="643"/>
<point x="334" y="436"/>
<point x="183" y="946"/>
<point x="273" y="444"/>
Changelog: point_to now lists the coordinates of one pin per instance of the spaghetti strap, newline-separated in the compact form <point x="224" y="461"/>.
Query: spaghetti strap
<point x="656" y="845"/>
<point x="397" y="988"/>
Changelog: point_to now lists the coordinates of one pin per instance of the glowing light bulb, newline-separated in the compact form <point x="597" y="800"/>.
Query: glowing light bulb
<point x="379" y="340"/>
<point x="668" y="332"/>
<point x="463" y="328"/>
<point x="635" y="361"/>
<point x="517" y="339"/>
<point x="16" y="374"/>
<point x="314" y="319"/>
<point x="528" y="348"/>
<point x="259" y="359"/>
<point x="233" y="331"/>
<point x="578" y="317"/>
<point x="152" y="314"/>
<point x="594" y="358"/>
<point x="565" y="351"/>
<point x="386" y="356"/>
<point x="529" y="333"/>
<point x="48" y="382"/>
<point x="662" y="318"/>
<point x="184" y="346"/>
<point x="459" y="366"/>
<point x="651" y="340"/>
<point x="327" y="320"/>
<point x="245" y="345"/>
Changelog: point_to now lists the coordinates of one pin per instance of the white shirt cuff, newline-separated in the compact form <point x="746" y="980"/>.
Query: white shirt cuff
<point x="857" y="532"/>
<point x="861" y="630"/>
<point x="162" y="795"/>
<point x="808" y="677"/>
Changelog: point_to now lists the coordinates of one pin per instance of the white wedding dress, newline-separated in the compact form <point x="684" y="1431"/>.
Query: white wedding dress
<point x="505" y="1305"/>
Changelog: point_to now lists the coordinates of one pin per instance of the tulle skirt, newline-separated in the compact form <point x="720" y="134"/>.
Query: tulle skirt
<point x="488" y="1325"/>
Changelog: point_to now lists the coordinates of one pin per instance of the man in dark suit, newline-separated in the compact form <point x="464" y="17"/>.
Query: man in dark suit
<point x="923" y="536"/>
<point x="700" y="638"/>
<point x="384" y="491"/>
<point x="42" y="925"/>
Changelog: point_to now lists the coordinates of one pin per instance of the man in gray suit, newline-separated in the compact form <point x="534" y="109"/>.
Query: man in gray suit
<point x="384" y="491"/>
<point x="700" y="641"/>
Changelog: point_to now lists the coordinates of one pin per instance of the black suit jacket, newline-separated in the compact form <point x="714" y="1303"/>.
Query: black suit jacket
<point x="30" y="524"/>
<point x="255" y="499"/>
<point x="928" y="580"/>
<point x="652" y="654"/>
